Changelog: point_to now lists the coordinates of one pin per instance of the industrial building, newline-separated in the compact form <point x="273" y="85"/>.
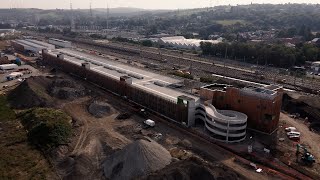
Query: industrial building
<point x="255" y="108"/>
<point x="262" y="105"/>
<point x="183" y="43"/>
<point x="60" y="43"/>
<point x="30" y="45"/>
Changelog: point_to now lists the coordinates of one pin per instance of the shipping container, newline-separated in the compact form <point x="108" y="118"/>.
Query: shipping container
<point x="8" y="66"/>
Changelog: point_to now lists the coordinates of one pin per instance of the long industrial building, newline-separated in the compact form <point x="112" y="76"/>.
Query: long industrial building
<point x="182" y="42"/>
<point x="60" y="43"/>
<point x="31" y="45"/>
<point x="160" y="94"/>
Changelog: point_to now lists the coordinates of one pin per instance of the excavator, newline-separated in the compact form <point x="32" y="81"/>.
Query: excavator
<point x="307" y="158"/>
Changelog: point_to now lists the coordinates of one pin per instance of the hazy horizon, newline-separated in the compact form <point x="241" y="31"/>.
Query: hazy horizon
<point x="143" y="4"/>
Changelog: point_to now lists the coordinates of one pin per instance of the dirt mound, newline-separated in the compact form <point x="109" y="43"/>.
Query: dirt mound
<point x="79" y="167"/>
<point x="99" y="109"/>
<point x="31" y="93"/>
<point x="193" y="169"/>
<point x="66" y="89"/>
<point x="304" y="105"/>
<point x="136" y="159"/>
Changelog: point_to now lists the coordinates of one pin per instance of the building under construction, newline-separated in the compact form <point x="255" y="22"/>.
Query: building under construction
<point x="255" y="108"/>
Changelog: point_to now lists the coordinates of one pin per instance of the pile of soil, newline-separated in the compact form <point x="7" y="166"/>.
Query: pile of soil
<point x="66" y="89"/>
<point x="136" y="159"/>
<point x="31" y="93"/>
<point x="306" y="106"/>
<point x="193" y="168"/>
<point x="77" y="168"/>
<point x="99" y="109"/>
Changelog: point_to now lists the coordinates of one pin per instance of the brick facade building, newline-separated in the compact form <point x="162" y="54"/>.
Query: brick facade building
<point x="261" y="105"/>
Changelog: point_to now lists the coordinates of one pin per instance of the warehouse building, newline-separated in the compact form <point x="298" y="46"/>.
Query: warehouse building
<point x="183" y="43"/>
<point x="30" y="45"/>
<point x="255" y="108"/>
<point x="60" y="43"/>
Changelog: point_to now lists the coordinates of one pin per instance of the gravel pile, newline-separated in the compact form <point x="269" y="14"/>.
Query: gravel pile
<point x="99" y="109"/>
<point x="194" y="168"/>
<point x="66" y="89"/>
<point x="136" y="159"/>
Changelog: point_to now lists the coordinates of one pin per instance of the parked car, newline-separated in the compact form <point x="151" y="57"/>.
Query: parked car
<point x="289" y="129"/>
<point x="149" y="122"/>
<point x="292" y="133"/>
<point x="294" y="138"/>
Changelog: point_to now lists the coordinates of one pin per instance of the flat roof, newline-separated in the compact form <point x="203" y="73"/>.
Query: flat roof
<point x="40" y="43"/>
<point x="30" y="44"/>
<point x="60" y="40"/>
<point x="140" y="78"/>
<point x="260" y="90"/>
<point x="215" y="86"/>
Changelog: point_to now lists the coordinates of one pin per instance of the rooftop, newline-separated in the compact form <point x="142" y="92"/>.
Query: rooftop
<point x="220" y="87"/>
<point x="151" y="82"/>
<point x="260" y="90"/>
<point x="60" y="40"/>
<point x="40" y="43"/>
<point x="183" y="41"/>
<point x="31" y="43"/>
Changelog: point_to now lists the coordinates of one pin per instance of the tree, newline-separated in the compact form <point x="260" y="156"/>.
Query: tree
<point x="147" y="43"/>
<point x="47" y="128"/>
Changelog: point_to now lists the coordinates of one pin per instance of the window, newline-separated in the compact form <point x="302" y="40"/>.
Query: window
<point x="268" y="117"/>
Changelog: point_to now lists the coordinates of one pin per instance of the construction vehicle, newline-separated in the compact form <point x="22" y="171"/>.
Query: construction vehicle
<point x="307" y="158"/>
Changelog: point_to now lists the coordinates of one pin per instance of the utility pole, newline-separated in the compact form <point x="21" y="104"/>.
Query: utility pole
<point x="224" y="61"/>
<point x="107" y="32"/>
<point x="72" y="23"/>
<point x="91" y="9"/>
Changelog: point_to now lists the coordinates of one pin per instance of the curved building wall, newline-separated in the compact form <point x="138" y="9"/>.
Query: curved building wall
<point x="225" y="125"/>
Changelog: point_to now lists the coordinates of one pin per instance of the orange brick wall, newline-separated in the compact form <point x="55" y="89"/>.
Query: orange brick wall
<point x="255" y="108"/>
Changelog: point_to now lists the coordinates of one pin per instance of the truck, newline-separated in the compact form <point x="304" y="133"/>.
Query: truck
<point x="14" y="75"/>
<point x="6" y="67"/>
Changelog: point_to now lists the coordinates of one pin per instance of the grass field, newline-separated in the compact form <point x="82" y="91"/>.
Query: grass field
<point x="18" y="159"/>
<point x="231" y="22"/>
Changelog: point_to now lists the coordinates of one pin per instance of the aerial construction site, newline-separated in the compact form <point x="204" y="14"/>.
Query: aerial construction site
<point x="133" y="116"/>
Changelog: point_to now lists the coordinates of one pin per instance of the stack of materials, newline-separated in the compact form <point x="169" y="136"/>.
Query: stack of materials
<point x="136" y="159"/>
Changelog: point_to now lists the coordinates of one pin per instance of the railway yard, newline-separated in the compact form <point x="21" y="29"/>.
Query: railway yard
<point x="202" y="67"/>
<point x="104" y="123"/>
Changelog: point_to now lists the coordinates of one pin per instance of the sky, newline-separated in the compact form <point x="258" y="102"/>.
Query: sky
<point x="145" y="4"/>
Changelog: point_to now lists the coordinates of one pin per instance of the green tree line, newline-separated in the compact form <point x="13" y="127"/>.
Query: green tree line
<point x="261" y="53"/>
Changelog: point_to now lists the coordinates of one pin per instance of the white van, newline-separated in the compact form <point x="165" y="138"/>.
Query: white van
<point x="292" y="133"/>
<point x="149" y="122"/>
<point x="290" y="129"/>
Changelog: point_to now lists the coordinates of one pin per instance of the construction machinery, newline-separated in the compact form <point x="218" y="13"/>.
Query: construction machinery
<point x="307" y="158"/>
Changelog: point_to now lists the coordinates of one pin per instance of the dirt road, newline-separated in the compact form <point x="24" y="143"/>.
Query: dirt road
<point x="308" y="138"/>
